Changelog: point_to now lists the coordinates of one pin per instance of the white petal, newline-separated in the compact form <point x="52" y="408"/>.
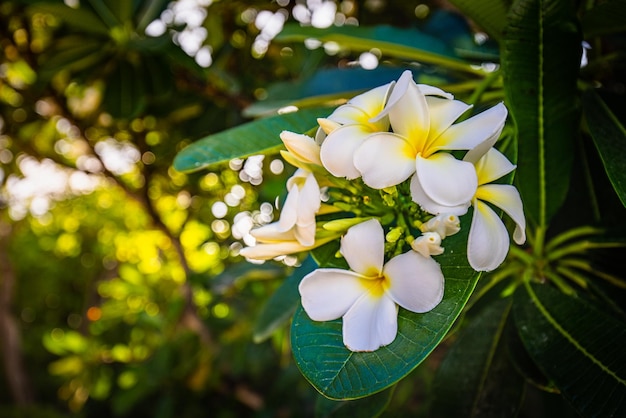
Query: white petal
<point x="421" y="198"/>
<point x="272" y="250"/>
<point x="446" y="180"/>
<point x="363" y="247"/>
<point x="289" y="212"/>
<point x="303" y="147"/>
<point x="492" y="166"/>
<point x="372" y="101"/>
<point x="434" y="91"/>
<point x="272" y="233"/>
<point x="372" y="322"/>
<point x="427" y="244"/>
<point x="338" y="150"/>
<point x="477" y="133"/>
<point x="305" y="233"/>
<point x="346" y="115"/>
<point x="488" y="241"/>
<point x="444" y="224"/>
<point x="328" y="294"/>
<point x="507" y="198"/>
<point x="443" y="113"/>
<point x="309" y="201"/>
<point x="415" y="282"/>
<point x="385" y="160"/>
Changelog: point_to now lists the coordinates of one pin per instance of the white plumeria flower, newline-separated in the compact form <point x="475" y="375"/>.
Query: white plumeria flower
<point x="348" y="126"/>
<point x="295" y="229"/>
<point x="368" y="295"/>
<point x="488" y="242"/>
<point x="302" y="147"/>
<point x="422" y="127"/>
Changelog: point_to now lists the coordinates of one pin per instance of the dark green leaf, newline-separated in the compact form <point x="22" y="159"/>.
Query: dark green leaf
<point x="124" y="96"/>
<point x="104" y="12"/>
<point x="339" y="373"/>
<point x="72" y="54"/>
<point x="576" y="345"/>
<point x="255" y="137"/>
<point x="541" y="57"/>
<point x="609" y="135"/>
<point x="396" y="42"/>
<point x="238" y="274"/>
<point x="369" y="407"/>
<point x="149" y="11"/>
<point x="282" y="304"/>
<point x="82" y="18"/>
<point x="605" y="18"/>
<point x="490" y="15"/>
<point x="477" y="373"/>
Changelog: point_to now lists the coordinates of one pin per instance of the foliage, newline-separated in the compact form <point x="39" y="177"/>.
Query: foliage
<point x="121" y="289"/>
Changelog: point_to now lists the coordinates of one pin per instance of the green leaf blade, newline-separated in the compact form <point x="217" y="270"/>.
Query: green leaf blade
<point x="576" y="345"/>
<point x="339" y="373"/>
<point x="256" y="137"/>
<point x="541" y="49"/>
<point x="609" y="136"/>
<point x="488" y="14"/>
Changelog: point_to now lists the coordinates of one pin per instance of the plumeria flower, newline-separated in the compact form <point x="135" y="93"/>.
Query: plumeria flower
<point x="300" y="147"/>
<point x="423" y="127"/>
<point x="368" y="295"/>
<point x="348" y="126"/>
<point x="488" y="242"/>
<point x="444" y="225"/>
<point x="295" y="229"/>
<point x="427" y="244"/>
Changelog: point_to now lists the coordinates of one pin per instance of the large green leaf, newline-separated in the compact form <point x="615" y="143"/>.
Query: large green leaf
<point x="605" y="18"/>
<point x="339" y="373"/>
<point x="477" y="372"/>
<point x="254" y="137"/>
<point x="541" y="56"/>
<point x="396" y="42"/>
<point x="488" y="14"/>
<point x="576" y="345"/>
<point x="282" y="304"/>
<point x="609" y="135"/>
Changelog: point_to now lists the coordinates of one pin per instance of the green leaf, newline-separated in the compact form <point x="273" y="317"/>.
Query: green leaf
<point x="477" y="372"/>
<point x="254" y="137"/>
<point x="282" y="304"/>
<point x="82" y="18"/>
<point x="125" y="96"/>
<point x="339" y="373"/>
<point x="609" y="135"/>
<point x="541" y="56"/>
<point x="490" y="15"/>
<point x="407" y="43"/>
<point x="369" y="407"/>
<point x="576" y="345"/>
<point x="605" y="18"/>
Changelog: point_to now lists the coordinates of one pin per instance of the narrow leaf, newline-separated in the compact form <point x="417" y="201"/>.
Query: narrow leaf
<point x="477" y="373"/>
<point x="81" y="19"/>
<point x="541" y="56"/>
<point x="254" y="137"/>
<point x="282" y="304"/>
<point x="339" y="373"/>
<point x="396" y="42"/>
<point x="490" y="15"/>
<point x="577" y="346"/>
<point x="609" y="135"/>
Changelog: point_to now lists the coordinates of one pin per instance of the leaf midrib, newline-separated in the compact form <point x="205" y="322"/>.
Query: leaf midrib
<point x="542" y="309"/>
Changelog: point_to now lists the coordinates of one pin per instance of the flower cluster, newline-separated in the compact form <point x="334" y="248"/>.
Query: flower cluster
<point x="398" y="172"/>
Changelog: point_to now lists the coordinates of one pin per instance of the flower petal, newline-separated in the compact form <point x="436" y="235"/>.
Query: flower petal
<point x="345" y="115"/>
<point x="363" y="247"/>
<point x="444" y="224"/>
<point x="385" y="160"/>
<point x="328" y="294"/>
<point x="309" y="200"/>
<point x="289" y="212"/>
<point x="434" y="91"/>
<point x="272" y="250"/>
<point x="492" y="166"/>
<point x="427" y="244"/>
<point x="446" y="180"/>
<point x="305" y="233"/>
<point x="272" y="233"/>
<point x="421" y="198"/>
<point x="477" y="133"/>
<point x="443" y="113"/>
<point x="372" y="322"/>
<point x="488" y="241"/>
<point x="372" y="101"/>
<point x="303" y="147"/>
<point x="337" y="153"/>
<point x="507" y="198"/>
<point x="415" y="282"/>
